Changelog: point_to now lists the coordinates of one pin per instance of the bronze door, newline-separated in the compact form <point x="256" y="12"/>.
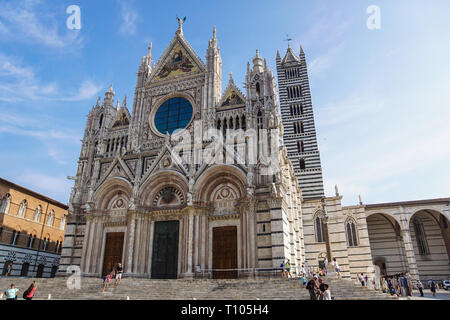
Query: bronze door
<point x="225" y="252"/>
<point x="113" y="250"/>
<point x="165" y="250"/>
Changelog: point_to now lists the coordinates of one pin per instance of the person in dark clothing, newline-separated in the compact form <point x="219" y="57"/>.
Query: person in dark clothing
<point x="312" y="288"/>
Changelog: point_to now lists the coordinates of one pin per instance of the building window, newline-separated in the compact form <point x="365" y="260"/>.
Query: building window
<point x="352" y="237"/>
<point x="320" y="229"/>
<point x="175" y="113"/>
<point x="6" y="202"/>
<point x="37" y="213"/>
<point x="45" y="244"/>
<point x="62" y="224"/>
<point x="22" y="208"/>
<point x="302" y="164"/>
<point x="420" y="237"/>
<point x="300" y="146"/>
<point x="15" y="237"/>
<point x="51" y="218"/>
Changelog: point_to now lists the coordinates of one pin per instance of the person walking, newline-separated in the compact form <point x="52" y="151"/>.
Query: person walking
<point x="361" y="279"/>
<point x="29" y="293"/>
<point x="8" y="270"/>
<point x="321" y="288"/>
<point x="432" y="286"/>
<point x="419" y="286"/>
<point x="303" y="271"/>
<point x="312" y="288"/>
<point x="288" y="269"/>
<point x="336" y="268"/>
<point x="119" y="271"/>
<point x="283" y="269"/>
<point x="366" y="279"/>
<point x="11" y="293"/>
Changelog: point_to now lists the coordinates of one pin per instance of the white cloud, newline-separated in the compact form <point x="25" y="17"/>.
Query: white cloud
<point x="324" y="62"/>
<point x="56" y="187"/>
<point x="19" y="83"/>
<point x="87" y="90"/>
<point x="22" y="22"/>
<point x="130" y="18"/>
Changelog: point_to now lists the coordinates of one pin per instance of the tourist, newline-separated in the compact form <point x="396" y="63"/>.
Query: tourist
<point x="29" y="293"/>
<point x="119" y="271"/>
<point x="312" y="288"/>
<point x="336" y="268"/>
<point x="8" y="270"/>
<point x="361" y="279"/>
<point x="432" y="286"/>
<point x="303" y="281"/>
<point x="283" y="269"/>
<point x="326" y="293"/>
<point x="321" y="288"/>
<point x="303" y="271"/>
<point x="11" y="293"/>
<point x="106" y="280"/>
<point x="326" y="263"/>
<point x="288" y="269"/>
<point x="366" y="279"/>
<point x="419" y="286"/>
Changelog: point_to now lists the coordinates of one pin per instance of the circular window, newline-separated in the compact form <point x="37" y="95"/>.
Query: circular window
<point x="173" y="114"/>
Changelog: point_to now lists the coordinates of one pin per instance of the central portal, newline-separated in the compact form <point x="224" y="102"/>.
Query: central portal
<point x="165" y="250"/>
<point x="225" y="252"/>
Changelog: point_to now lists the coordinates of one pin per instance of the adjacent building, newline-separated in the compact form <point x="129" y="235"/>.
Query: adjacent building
<point x="32" y="228"/>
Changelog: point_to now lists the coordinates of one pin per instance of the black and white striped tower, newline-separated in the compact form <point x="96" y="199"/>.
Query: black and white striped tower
<point x="298" y="120"/>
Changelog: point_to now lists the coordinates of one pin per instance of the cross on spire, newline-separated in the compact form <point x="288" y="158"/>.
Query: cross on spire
<point x="288" y="40"/>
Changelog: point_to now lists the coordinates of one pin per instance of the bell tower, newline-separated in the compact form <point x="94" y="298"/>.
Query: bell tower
<point x="297" y="116"/>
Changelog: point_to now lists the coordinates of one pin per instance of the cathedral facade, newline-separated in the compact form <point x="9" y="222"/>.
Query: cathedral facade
<point x="228" y="184"/>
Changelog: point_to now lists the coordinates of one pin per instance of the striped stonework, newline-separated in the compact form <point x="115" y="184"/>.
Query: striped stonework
<point x="298" y="121"/>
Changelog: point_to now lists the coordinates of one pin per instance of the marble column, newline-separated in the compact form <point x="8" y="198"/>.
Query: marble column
<point x="129" y="267"/>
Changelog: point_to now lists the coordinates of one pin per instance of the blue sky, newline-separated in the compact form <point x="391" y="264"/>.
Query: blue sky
<point x="381" y="97"/>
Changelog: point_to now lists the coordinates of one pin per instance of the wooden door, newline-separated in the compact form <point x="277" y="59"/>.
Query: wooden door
<point x="113" y="250"/>
<point x="225" y="252"/>
<point x="165" y="250"/>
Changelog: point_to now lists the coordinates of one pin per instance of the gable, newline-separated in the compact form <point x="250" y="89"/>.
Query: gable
<point x="232" y="98"/>
<point x="121" y="119"/>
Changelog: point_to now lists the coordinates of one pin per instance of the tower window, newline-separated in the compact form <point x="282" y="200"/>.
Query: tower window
<point x="320" y="229"/>
<point x="302" y="164"/>
<point x="300" y="146"/>
<point x="352" y="238"/>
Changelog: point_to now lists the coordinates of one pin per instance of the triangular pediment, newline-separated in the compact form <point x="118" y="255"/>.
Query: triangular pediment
<point x="232" y="97"/>
<point x="167" y="159"/>
<point x="178" y="60"/>
<point x="122" y="118"/>
<point x="290" y="57"/>
<point x="117" y="169"/>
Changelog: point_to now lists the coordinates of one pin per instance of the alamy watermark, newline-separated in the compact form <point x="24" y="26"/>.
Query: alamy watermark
<point x="74" y="20"/>
<point x="374" y="20"/>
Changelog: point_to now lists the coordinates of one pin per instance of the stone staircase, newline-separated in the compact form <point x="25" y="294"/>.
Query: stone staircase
<point x="183" y="289"/>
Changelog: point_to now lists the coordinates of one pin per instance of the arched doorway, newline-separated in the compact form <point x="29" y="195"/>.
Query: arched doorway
<point x="386" y="244"/>
<point x="24" y="271"/>
<point x="40" y="271"/>
<point x="430" y="237"/>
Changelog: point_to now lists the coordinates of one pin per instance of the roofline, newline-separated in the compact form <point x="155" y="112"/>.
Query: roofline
<point x="33" y="193"/>
<point x="412" y="202"/>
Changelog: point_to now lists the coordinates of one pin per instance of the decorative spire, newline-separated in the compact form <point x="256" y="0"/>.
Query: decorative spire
<point x="124" y="103"/>
<point x="98" y="102"/>
<point x="118" y="105"/>
<point x="257" y="62"/>
<point x="360" y="200"/>
<point x="336" y="190"/>
<point x="214" y="32"/>
<point x="180" y="26"/>
<point x="109" y="96"/>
